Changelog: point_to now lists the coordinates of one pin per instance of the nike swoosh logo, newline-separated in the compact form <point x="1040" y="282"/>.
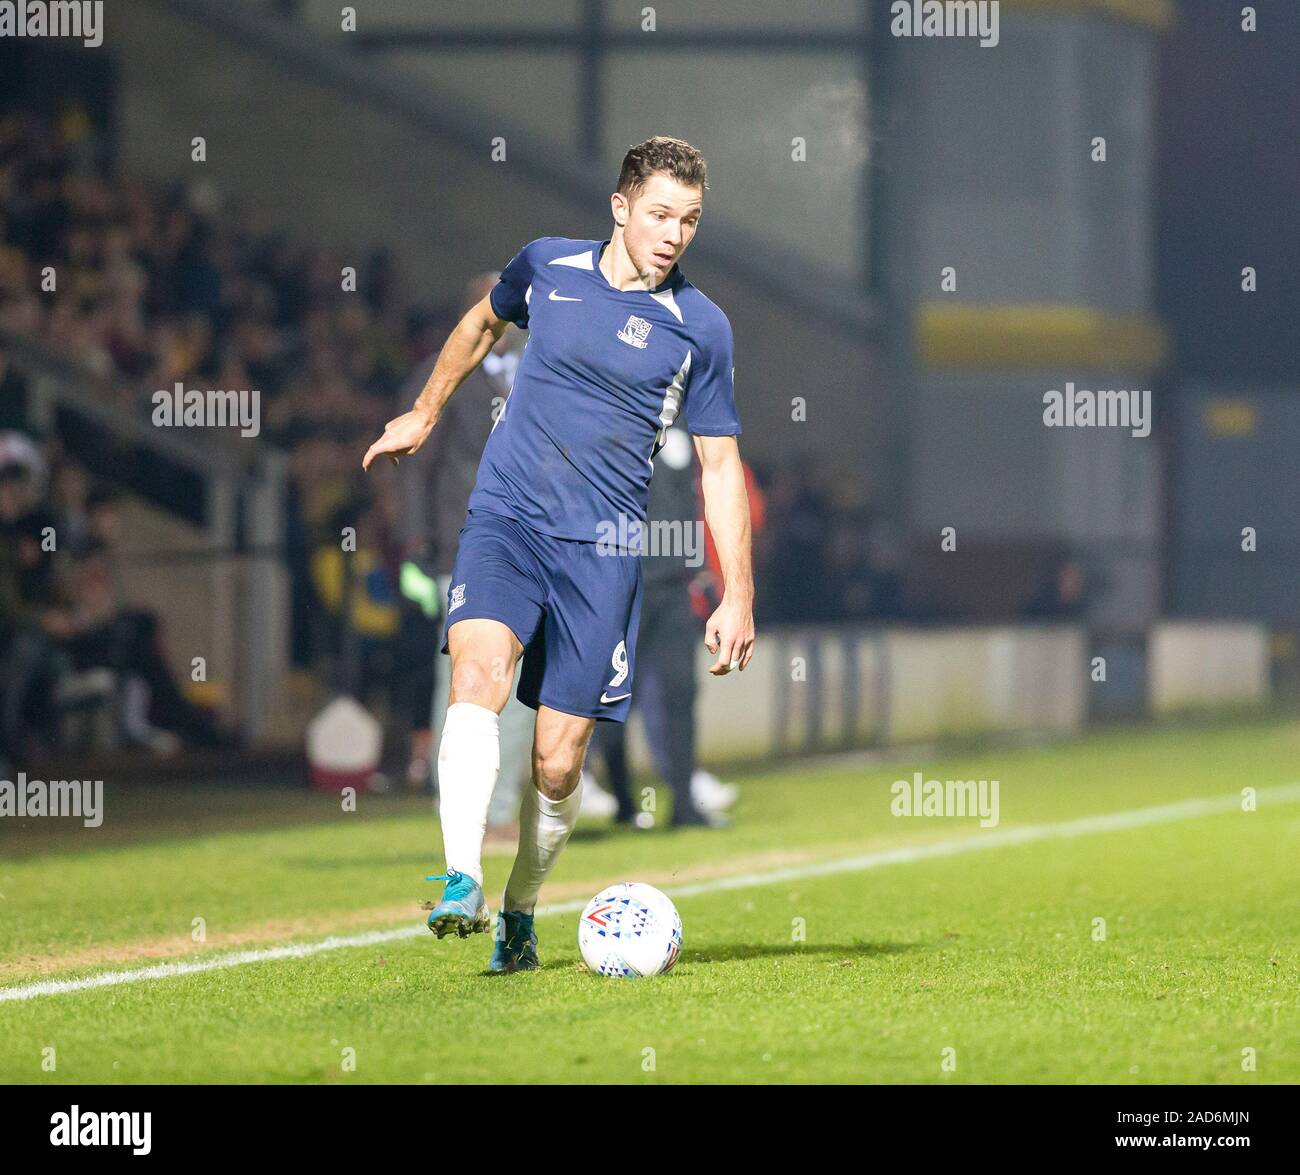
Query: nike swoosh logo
<point x="606" y="699"/>
<point x="556" y="296"/>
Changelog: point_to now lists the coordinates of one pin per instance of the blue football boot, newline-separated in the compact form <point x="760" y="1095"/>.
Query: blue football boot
<point x="516" y="945"/>
<point x="463" y="908"/>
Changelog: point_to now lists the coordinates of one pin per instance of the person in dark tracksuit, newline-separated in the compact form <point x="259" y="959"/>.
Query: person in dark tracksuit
<point x="435" y="492"/>
<point x="666" y="644"/>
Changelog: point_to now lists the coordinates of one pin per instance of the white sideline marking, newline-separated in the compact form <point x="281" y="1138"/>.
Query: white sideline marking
<point x="1110" y="822"/>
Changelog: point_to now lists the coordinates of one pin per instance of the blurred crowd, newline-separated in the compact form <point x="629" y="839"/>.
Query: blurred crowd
<point x="157" y="284"/>
<point x="165" y="283"/>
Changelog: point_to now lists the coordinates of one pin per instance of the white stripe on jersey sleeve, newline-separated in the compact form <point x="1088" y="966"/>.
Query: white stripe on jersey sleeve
<point x="672" y="405"/>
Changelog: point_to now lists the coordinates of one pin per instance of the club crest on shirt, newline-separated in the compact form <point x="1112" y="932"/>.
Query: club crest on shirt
<point x="457" y="597"/>
<point x="635" y="332"/>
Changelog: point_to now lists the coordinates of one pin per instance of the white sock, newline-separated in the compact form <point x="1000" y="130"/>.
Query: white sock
<point x="544" y="827"/>
<point x="469" y="759"/>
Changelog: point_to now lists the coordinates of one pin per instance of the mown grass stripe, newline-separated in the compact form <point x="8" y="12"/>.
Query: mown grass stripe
<point x="988" y="839"/>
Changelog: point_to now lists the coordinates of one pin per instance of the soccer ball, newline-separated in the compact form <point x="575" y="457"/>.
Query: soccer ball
<point x="630" y="930"/>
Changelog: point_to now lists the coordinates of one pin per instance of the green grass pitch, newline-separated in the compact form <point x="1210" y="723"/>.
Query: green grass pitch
<point x="985" y="965"/>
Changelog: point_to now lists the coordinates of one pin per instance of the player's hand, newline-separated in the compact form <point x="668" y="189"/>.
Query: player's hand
<point x="729" y="634"/>
<point x="402" y="437"/>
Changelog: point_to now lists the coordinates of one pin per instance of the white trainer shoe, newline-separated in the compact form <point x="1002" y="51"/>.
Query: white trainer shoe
<point x="711" y="794"/>
<point x="596" y="801"/>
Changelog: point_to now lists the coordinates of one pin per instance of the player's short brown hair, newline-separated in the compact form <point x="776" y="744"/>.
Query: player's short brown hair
<point x="673" y="157"/>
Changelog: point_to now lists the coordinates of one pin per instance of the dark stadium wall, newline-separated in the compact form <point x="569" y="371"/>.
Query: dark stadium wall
<point x="1227" y="180"/>
<point x="1051" y="253"/>
<point x="1224" y="182"/>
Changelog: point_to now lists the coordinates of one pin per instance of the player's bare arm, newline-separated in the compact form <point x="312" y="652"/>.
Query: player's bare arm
<point x="466" y="347"/>
<point x="729" y="632"/>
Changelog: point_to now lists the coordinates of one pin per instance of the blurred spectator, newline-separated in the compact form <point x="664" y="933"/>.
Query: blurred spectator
<point x="794" y="585"/>
<point x="13" y="392"/>
<point x="27" y="525"/>
<point x="383" y="642"/>
<point x="29" y="665"/>
<point x="678" y="599"/>
<point x="96" y="632"/>
<point x="1063" y="590"/>
<point x="70" y="500"/>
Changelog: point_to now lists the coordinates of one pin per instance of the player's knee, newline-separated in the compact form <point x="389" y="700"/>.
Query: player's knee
<point x="557" y="770"/>
<point x="473" y="680"/>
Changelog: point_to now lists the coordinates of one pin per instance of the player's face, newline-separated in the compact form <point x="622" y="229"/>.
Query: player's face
<point x="660" y="224"/>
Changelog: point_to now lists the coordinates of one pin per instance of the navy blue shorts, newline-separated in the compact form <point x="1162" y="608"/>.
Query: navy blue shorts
<point x="574" y="607"/>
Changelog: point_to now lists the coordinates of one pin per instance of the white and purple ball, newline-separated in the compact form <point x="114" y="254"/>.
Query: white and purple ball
<point x="630" y="931"/>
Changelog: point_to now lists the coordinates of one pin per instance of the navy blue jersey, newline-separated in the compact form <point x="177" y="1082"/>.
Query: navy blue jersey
<point x="604" y="374"/>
